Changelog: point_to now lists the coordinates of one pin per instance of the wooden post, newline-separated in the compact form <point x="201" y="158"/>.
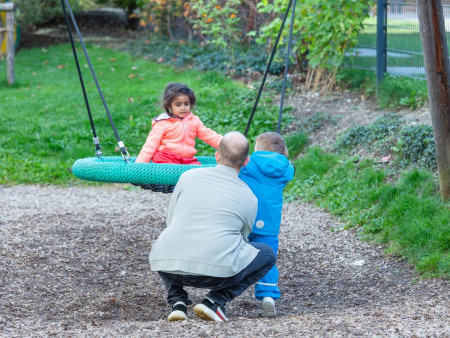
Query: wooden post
<point x="437" y="68"/>
<point x="9" y="8"/>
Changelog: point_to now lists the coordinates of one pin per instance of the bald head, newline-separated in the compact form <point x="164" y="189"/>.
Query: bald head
<point x="233" y="150"/>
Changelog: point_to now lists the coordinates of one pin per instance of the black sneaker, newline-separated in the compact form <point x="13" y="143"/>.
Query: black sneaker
<point x="179" y="310"/>
<point x="210" y="311"/>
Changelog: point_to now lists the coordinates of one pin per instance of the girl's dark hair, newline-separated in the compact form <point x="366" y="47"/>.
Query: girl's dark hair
<point x="175" y="89"/>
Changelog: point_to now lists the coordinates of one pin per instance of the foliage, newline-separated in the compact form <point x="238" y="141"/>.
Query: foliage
<point x="44" y="126"/>
<point x="323" y="30"/>
<point x="416" y="145"/>
<point x="296" y="143"/>
<point x="248" y="59"/>
<point x="393" y="92"/>
<point x="318" y="121"/>
<point x="159" y="14"/>
<point x="412" y="143"/>
<point x="357" y="80"/>
<point x="407" y="216"/>
<point x="402" y="92"/>
<point x="36" y="12"/>
<point x="218" y="21"/>
<point x="383" y="128"/>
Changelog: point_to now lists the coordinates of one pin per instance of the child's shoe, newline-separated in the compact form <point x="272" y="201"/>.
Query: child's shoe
<point x="179" y="310"/>
<point x="268" y="305"/>
<point x="210" y="311"/>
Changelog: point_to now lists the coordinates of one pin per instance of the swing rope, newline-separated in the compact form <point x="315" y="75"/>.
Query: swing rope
<point x="286" y="66"/>
<point x="154" y="176"/>
<point x="98" y="148"/>
<point x="269" y="63"/>
<point x="121" y="145"/>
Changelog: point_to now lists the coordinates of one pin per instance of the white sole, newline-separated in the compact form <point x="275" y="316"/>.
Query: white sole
<point x="205" y="313"/>
<point x="269" y="309"/>
<point x="176" y="316"/>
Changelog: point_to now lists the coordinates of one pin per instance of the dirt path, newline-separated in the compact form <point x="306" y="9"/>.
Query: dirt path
<point x="73" y="261"/>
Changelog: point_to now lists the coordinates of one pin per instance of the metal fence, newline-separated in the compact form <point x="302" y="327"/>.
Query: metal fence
<point x="390" y="42"/>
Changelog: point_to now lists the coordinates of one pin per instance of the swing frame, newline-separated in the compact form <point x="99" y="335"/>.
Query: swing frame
<point x="153" y="176"/>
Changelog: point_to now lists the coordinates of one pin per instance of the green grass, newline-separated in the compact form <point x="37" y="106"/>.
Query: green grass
<point x="44" y="125"/>
<point x="44" y="128"/>
<point x="408" y="216"/>
<point x="393" y="92"/>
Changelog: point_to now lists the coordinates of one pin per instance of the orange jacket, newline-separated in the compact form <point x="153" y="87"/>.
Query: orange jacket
<point x="176" y="135"/>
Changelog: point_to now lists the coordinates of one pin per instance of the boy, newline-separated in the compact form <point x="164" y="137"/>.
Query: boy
<point x="267" y="174"/>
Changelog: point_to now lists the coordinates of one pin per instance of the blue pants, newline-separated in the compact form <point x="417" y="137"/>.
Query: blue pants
<point x="268" y="285"/>
<point x="223" y="289"/>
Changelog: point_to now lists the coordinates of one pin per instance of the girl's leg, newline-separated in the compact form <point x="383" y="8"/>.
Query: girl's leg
<point x="166" y="157"/>
<point x="172" y="158"/>
<point x="268" y="285"/>
<point x="191" y="160"/>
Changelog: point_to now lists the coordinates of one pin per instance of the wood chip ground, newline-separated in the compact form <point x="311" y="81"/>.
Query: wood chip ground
<point x="74" y="262"/>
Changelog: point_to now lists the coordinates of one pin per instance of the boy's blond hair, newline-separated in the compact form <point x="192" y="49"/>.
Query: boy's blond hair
<point x="272" y="141"/>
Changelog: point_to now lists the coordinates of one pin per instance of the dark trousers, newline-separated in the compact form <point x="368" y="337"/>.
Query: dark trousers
<point x="223" y="289"/>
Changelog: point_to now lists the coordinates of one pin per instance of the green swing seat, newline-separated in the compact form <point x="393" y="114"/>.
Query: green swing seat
<point x="114" y="169"/>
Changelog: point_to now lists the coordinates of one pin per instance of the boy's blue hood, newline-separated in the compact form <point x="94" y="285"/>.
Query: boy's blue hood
<point x="271" y="164"/>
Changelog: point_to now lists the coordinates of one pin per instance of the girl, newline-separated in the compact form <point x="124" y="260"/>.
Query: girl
<point x="172" y="138"/>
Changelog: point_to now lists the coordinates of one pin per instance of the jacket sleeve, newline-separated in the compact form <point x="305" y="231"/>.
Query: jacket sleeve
<point x="208" y="135"/>
<point x="151" y="144"/>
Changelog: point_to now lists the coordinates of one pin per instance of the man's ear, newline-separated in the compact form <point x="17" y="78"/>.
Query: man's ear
<point x="246" y="161"/>
<point x="217" y="157"/>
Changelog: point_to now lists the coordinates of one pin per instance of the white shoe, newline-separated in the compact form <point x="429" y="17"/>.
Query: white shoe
<point x="178" y="313"/>
<point x="210" y="311"/>
<point x="268" y="305"/>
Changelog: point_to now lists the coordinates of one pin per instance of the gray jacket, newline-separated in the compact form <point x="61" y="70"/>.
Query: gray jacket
<point x="211" y="213"/>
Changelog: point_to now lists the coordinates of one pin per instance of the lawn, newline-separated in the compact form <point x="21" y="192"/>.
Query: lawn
<point x="44" y="124"/>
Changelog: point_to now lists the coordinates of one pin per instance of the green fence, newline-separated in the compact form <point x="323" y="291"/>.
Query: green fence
<point x="399" y="39"/>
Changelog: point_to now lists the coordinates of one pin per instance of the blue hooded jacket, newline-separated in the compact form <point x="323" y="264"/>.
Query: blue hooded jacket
<point x="266" y="174"/>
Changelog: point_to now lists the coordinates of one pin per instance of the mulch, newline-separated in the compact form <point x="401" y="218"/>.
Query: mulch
<point x="75" y="261"/>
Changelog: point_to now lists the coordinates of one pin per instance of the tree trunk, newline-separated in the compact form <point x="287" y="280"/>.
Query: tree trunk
<point x="9" y="8"/>
<point x="437" y="66"/>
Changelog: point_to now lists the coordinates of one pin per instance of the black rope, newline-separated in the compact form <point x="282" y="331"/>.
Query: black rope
<point x="286" y="66"/>
<point x="123" y="150"/>
<point x="98" y="148"/>
<point x="267" y="68"/>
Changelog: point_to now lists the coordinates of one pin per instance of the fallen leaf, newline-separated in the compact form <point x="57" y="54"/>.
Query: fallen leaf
<point x="386" y="159"/>
<point x="61" y="66"/>
<point x="131" y="76"/>
<point x="161" y="59"/>
<point x="131" y="100"/>
<point x="112" y="60"/>
<point x="113" y="69"/>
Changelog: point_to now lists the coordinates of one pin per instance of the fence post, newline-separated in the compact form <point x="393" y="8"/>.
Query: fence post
<point x="381" y="39"/>
<point x="9" y="8"/>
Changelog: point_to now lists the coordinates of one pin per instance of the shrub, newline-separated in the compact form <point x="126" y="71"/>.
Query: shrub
<point x="402" y="92"/>
<point x="382" y="129"/>
<point x="247" y="59"/>
<point x="416" y="145"/>
<point x="354" y="136"/>
<point x="36" y="12"/>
